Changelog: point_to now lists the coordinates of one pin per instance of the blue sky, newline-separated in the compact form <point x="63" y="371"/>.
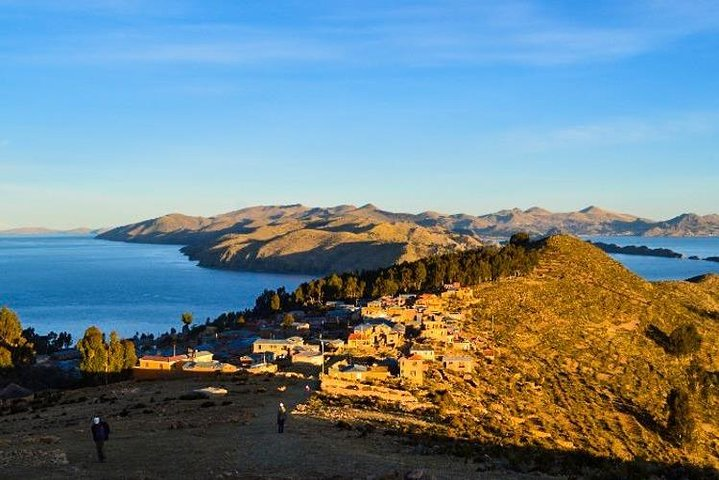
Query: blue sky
<point x="113" y="111"/>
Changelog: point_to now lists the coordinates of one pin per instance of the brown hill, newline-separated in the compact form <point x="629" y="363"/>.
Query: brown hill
<point x="341" y="244"/>
<point x="687" y="224"/>
<point x="577" y="368"/>
<point x="295" y="238"/>
<point x="291" y="238"/>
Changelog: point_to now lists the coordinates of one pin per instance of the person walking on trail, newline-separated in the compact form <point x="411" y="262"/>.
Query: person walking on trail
<point x="100" y="434"/>
<point x="281" y="417"/>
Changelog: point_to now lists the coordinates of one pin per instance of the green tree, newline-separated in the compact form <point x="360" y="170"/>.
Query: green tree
<point x="10" y="327"/>
<point x="350" y="287"/>
<point x="5" y="358"/>
<point x="187" y="319"/>
<point x="129" y="356"/>
<point x="116" y="354"/>
<point x="406" y="279"/>
<point x="64" y="340"/>
<point x="333" y="287"/>
<point x="14" y="348"/>
<point x="298" y="296"/>
<point x="93" y="353"/>
<point x="680" y="424"/>
<point x="24" y="353"/>
<point x="520" y="238"/>
<point x="287" y="320"/>
<point x="685" y="339"/>
<point x="275" y="303"/>
<point x="420" y="275"/>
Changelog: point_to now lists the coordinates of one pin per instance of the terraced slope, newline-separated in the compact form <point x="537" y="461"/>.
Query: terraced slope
<point x="575" y="370"/>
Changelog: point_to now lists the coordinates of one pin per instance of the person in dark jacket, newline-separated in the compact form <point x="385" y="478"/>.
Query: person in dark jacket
<point x="281" y="417"/>
<point x="100" y="434"/>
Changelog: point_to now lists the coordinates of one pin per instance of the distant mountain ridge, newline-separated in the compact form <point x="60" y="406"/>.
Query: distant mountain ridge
<point x="296" y="238"/>
<point x="50" y="231"/>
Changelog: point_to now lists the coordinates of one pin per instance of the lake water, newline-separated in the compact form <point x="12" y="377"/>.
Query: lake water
<point x="68" y="283"/>
<point x="658" y="268"/>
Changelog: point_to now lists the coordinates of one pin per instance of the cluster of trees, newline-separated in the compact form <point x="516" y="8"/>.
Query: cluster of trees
<point x="15" y="349"/>
<point x="273" y="301"/>
<point x="426" y="275"/>
<point x="98" y="356"/>
<point x="47" y="344"/>
<point x="231" y="320"/>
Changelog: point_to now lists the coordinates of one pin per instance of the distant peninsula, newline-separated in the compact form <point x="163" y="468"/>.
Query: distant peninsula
<point x="50" y="231"/>
<point x="637" y="250"/>
<point x="300" y="239"/>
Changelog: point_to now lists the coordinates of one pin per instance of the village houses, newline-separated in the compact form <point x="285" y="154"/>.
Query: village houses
<point x="277" y="346"/>
<point x="412" y="368"/>
<point x="458" y="363"/>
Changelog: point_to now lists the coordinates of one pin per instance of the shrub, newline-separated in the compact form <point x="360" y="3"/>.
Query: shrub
<point x="684" y="339"/>
<point x="680" y="424"/>
<point x="520" y="238"/>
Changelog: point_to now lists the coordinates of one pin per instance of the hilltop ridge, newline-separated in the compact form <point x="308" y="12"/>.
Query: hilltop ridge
<point x="575" y="367"/>
<point x="293" y="238"/>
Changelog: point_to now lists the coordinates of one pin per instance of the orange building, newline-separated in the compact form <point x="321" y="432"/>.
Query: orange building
<point x="412" y="369"/>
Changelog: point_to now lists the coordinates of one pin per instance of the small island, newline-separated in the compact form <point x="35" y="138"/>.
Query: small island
<point x="636" y="250"/>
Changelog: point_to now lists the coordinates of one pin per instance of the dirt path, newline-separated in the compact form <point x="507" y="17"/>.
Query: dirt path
<point x="156" y="435"/>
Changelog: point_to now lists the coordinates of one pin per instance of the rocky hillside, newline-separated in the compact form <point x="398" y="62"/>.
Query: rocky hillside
<point x="295" y="238"/>
<point x="588" y="221"/>
<point x="582" y="370"/>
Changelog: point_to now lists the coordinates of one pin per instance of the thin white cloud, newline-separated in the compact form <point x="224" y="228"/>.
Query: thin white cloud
<point x="103" y="7"/>
<point x="197" y="44"/>
<point x="521" y="33"/>
<point x="614" y="132"/>
<point x="424" y="33"/>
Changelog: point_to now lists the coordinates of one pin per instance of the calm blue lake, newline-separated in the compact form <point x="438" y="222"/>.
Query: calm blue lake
<point x="657" y="268"/>
<point x="68" y="283"/>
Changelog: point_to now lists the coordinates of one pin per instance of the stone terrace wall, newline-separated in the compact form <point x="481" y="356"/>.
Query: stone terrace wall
<point x="334" y="386"/>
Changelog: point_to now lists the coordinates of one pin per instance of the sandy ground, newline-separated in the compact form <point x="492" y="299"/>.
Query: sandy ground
<point x="157" y="435"/>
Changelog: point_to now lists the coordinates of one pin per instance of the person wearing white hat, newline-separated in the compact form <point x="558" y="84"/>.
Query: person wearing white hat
<point x="281" y="417"/>
<point x="100" y="434"/>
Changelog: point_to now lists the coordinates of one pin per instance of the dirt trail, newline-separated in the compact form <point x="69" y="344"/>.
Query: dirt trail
<point x="155" y="435"/>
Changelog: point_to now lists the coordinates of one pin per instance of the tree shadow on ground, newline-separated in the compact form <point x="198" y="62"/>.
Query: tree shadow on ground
<point x="642" y="416"/>
<point x="655" y="334"/>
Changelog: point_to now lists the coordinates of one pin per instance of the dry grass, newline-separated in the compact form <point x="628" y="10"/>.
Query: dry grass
<point x="576" y="371"/>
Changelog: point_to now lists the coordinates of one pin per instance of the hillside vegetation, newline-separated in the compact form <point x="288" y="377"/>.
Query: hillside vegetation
<point x="583" y="364"/>
<point x="428" y="274"/>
